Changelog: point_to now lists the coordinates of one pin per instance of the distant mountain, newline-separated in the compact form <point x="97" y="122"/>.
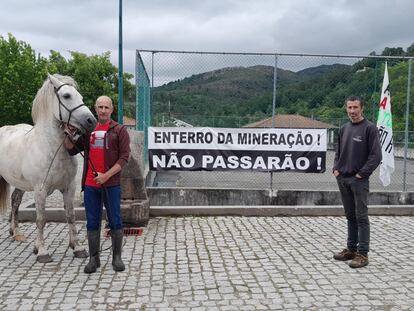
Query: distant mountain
<point x="247" y="81"/>
<point x="322" y="69"/>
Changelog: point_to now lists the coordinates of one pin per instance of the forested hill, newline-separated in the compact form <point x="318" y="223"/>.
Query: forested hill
<point x="236" y="96"/>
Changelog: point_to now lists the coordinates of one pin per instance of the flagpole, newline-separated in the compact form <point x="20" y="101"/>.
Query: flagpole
<point x="407" y="124"/>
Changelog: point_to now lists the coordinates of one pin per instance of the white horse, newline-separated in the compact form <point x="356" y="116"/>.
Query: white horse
<point x="33" y="158"/>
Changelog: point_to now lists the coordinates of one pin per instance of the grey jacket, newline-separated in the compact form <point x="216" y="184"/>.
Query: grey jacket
<point x="358" y="150"/>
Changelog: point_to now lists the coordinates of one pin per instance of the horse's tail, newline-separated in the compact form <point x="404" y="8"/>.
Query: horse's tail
<point x="4" y="195"/>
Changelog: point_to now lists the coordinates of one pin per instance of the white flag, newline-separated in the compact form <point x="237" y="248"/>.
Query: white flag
<point x="384" y="125"/>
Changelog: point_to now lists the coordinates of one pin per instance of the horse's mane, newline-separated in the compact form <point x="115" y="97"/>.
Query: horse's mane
<point x="42" y="104"/>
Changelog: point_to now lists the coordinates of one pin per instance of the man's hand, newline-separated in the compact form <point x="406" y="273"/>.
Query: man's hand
<point x="101" y="178"/>
<point x="336" y="173"/>
<point x="358" y="176"/>
<point x="71" y="133"/>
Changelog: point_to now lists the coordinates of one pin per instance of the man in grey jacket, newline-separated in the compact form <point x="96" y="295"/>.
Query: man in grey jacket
<point x="358" y="154"/>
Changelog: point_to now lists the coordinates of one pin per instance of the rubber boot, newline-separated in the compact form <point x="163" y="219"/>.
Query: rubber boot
<point x="94" y="245"/>
<point x="117" y="236"/>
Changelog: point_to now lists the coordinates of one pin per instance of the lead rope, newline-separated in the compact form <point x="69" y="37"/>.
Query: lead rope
<point x="50" y="165"/>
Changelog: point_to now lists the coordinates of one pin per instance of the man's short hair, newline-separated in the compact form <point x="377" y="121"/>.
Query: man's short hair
<point x="104" y="98"/>
<point x="353" y="98"/>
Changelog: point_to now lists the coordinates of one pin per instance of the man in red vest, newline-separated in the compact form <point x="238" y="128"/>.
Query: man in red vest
<point x="106" y="152"/>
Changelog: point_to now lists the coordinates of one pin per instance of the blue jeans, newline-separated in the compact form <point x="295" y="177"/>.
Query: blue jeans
<point x="354" y="194"/>
<point x="95" y="198"/>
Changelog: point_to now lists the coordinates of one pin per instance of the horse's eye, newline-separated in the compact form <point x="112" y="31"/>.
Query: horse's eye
<point x="66" y="96"/>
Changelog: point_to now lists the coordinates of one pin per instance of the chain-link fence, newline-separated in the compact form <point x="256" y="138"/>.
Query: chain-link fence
<point x="233" y="90"/>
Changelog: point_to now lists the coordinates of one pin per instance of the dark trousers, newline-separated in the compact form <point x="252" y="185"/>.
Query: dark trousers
<point x="95" y="198"/>
<point x="354" y="194"/>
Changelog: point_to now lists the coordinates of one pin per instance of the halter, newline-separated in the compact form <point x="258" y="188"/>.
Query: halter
<point x="62" y="123"/>
<point x="63" y="105"/>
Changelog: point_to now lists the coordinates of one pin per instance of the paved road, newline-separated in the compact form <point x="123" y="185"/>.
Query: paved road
<point x="216" y="263"/>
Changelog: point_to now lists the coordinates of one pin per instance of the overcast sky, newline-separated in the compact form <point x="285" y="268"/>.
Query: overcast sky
<point x="354" y="27"/>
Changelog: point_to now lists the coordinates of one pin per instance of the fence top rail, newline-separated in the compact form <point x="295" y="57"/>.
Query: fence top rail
<point x="276" y="54"/>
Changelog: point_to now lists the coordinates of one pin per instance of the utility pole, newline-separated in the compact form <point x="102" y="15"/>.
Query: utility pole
<point x="120" y="71"/>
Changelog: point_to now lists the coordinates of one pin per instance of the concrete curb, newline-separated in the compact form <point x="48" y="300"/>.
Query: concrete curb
<point x="332" y="210"/>
<point x="265" y="197"/>
<point x="28" y="212"/>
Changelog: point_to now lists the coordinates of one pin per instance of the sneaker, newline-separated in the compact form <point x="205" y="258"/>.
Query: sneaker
<point x="346" y="254"/>
<point x="359" y="261"/>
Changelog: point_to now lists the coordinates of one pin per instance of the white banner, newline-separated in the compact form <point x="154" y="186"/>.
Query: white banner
<point x="237" y="149"/>
<point x="384" y="125"/>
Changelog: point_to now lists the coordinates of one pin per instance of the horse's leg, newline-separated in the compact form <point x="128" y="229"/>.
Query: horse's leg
<point x="68" y="195"/>
<point x="15" y="232"/>
<point x="40" y="249"/>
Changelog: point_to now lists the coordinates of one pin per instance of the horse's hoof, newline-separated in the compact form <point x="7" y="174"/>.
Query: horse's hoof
<point x="44" y="258"/>
<point x="19" y="237"/>
<point x="81" y="254"/>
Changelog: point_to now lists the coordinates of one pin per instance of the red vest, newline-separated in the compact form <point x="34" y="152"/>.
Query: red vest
<point x="96" y="153"/>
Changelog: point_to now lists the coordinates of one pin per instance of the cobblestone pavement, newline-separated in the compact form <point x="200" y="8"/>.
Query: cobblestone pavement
<point x="216" y="263"/>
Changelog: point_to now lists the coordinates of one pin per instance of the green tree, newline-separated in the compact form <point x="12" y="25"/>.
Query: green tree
<point x="95" y="76"/>
<point x="21" y="75"/>
<point x="393" y="51"/>
<point x="410" y="50"/>
<point x="57" y="63"/>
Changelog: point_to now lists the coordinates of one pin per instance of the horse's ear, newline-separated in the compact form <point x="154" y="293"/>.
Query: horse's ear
<point x="56" y="83"/>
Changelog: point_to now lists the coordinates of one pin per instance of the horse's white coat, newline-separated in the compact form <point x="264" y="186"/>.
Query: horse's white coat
<point x="27" y="153"/>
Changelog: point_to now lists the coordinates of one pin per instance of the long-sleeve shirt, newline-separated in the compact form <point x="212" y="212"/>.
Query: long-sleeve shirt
<point x="358" y="150"/>
<point x="116" y="150"/>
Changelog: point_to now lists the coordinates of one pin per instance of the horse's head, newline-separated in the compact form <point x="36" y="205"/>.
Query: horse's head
<point x="60" y="98"/>
<point x="70" y="108"/>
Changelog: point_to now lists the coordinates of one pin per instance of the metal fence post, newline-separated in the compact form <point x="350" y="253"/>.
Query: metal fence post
<point x="375" y="92"/>
<point x="147" y="108"/>
<point x="407" y="123"/>
<point x="140" y="96"/>
<point x="151" y="104"/>
<point x="274" y="109"/>
<point x="274" y="93"/>
<point x="136" y="90"/>
<point x="142" y="100"/>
